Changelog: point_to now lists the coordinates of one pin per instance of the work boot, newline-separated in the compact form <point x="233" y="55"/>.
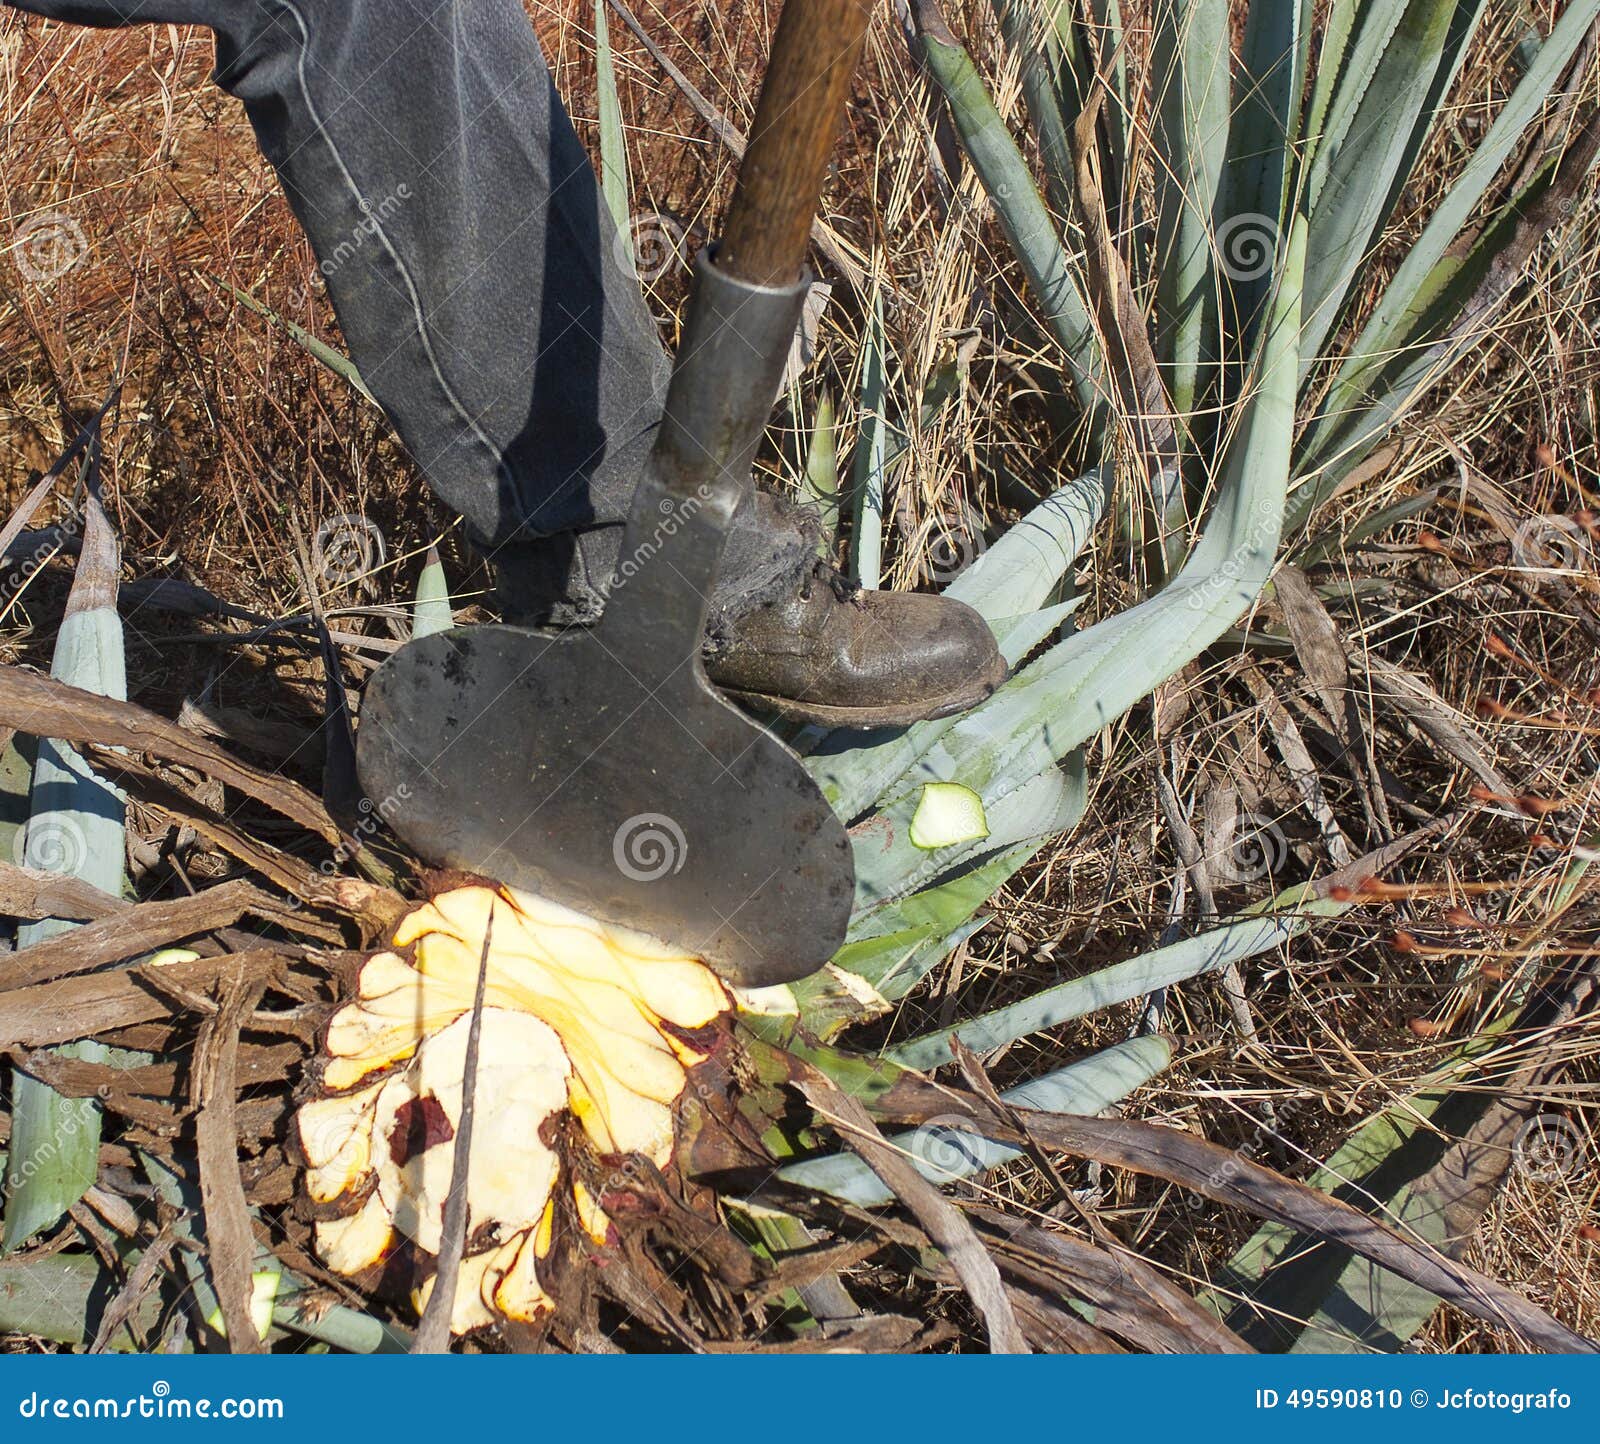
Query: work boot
<point x="832" y="653"/>
<point x="786" y="633"/>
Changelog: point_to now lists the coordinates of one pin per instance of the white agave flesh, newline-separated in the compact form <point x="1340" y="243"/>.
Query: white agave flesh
<point x="470" y="1309"/>
<point x="336" y="1138"/>
<point x="521" y="1082"/>
<point x="500" y="1283"/>
<point x="633" y="1044"/>
<point x="591" y="1216"/>
<point x="352" y="1245"/>
<point x="578" y="1017"/>
<point x="671" y="985"/>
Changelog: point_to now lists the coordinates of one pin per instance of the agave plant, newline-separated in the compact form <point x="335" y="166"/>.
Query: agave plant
<point x="1229" y="371"/>
<point x="75" y="827"/>
<point x="1279" y="170"/>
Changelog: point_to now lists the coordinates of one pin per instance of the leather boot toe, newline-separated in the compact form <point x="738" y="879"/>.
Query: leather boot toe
<point x="835" y="655"/>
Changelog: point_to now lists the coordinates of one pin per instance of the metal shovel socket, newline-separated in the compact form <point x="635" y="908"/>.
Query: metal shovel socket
<point x="598" y="767"/>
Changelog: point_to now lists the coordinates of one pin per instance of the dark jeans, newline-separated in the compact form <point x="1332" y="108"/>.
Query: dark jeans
<point x="479" y="279"/>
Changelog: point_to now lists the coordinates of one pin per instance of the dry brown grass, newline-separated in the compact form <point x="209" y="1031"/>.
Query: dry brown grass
<point x="227" y="429"/>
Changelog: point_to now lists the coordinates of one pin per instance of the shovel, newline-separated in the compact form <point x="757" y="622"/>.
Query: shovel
<point x="598" y="767"/>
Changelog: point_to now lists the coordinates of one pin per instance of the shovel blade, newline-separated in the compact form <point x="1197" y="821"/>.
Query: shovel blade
<point x="545" y="763"/>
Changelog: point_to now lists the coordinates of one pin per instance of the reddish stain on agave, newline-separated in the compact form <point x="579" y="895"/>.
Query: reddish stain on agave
<point x="420" y="1123"/>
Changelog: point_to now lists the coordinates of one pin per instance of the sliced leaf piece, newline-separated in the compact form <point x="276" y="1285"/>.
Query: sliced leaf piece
<point x="263" y="1300"/>
<point x="947" y="814"/>
<point x="889" y="867"/>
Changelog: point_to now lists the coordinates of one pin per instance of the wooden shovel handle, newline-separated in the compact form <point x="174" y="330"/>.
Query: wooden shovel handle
<point x="814" y="55"/>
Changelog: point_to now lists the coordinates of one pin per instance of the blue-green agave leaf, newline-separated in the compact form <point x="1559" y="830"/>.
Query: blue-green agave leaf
<point x="867" y="480"/>
<point x="614" y="183"/>
<point x="430" y="609"/>
<point x="76" y="826"/>
<point x="1023" y="216"/>
<point x="946" y="1150"/>
<point x="1178" y="962"/>
<point x="1190" y="62"/>
<point x="1089" y="680"/>
<point x="1360" y="157"/>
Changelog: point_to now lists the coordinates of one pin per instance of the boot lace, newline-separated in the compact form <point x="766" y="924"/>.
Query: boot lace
<point x="826" y="574"/>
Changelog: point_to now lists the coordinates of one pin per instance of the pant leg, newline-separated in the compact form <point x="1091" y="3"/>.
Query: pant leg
<point x="477" y="275"/>
<point x="475" y="271"/>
